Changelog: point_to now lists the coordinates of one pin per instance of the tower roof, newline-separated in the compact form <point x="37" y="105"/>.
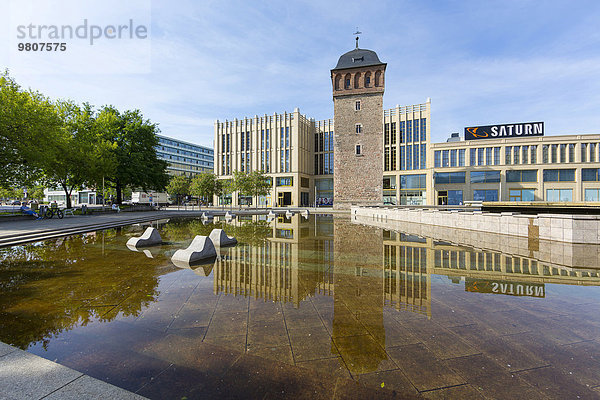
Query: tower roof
<point x="358" y="58"/>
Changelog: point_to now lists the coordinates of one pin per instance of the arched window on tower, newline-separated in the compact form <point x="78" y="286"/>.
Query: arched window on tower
<point x="357" y="80"/>
<point x="377" y="78"/>
<point x="338" y="81"/>
<point x="347" y="81"/>
<point x="368" y="79"/>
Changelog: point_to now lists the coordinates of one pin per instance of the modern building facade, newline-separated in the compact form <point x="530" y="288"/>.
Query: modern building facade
<point x="538" y="168"/>
<point x="184" y="158"/>
<point x="368" y="155"/>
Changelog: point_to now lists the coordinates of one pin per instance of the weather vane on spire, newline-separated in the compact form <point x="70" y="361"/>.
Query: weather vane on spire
<point x="357" y="37"/>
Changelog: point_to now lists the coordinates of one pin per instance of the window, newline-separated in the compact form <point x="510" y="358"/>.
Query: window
<point x="449" y="177"/>
<point x="358" y="128"/>
<point x="423" y="157"/>
<point x="521" y="176"/>
<point x="409" y="157"/>
<point x="416" y="156"/>
<point x="402" y="158"/>
<point x="485" y="195"/>
<point x="559" y="175"/>
<point x="437" y="158"/>
<point x="393" y="159"/>
<point x="545" y="154"/>
<point x="445" y="159"/>
<point x="516" y="153"/>
<point x="592" y="152"/>
<point x="533" y="157"/>
<point x="358" y="150"/>
<point x="368" y="79"/>
<point x="424" y="130"/>
<point x="403" y="132"/>
<point x="583" y="152"/>
<point x="416" y="130"/>
<point x="507" y="158"/>
<point x="589" y="174"/>
<point x="412" y="181"/>
<point x="473" y="157"/>
<point x="521" y="195"/>
<point x="485" y="176"/>
<point x="409" y="131"/>
<point x="453" y="158"/>
<point x="285" y="181"/>
<point x="347" y="83"/>
<point x="559" y="195"/>
<point x="386" y="159"/>
<point x="571" y="152"/>
<point x="592" y="194"/>
<point x="386" y="134"/>
<point x="357" y="105"/>
<point x="563" y="153"/>
<point x="480" y="156"/>
<point x="553" y="153"/>
<point x="525" y="154"/>
<point x="461" y="157"/>
<point x="393" y="133"/>
<point x="488" y="156"/>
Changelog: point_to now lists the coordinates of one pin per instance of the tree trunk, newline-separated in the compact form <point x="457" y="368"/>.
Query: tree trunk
<point x="119" y="192"/>
<point x="67" y="195"/>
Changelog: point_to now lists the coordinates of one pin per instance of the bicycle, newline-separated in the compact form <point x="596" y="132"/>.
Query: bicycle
<point x="51" y="212"/>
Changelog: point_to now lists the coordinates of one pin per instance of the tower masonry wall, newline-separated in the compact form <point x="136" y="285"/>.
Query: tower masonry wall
<point x="357" y="177"/>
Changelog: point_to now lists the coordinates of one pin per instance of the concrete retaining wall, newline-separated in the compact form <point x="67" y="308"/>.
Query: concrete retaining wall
<point x="583" y="229"/>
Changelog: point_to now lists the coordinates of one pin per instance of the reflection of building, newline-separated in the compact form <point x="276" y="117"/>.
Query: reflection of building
<point x="282" y="267"/>
<point x="407" y="273"/>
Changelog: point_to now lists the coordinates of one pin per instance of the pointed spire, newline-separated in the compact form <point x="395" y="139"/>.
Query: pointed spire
<point x="357" y="37"/>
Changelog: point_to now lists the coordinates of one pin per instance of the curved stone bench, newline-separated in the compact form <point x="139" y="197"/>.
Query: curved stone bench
<point x="220" y="238"/>
<point x="151" y="237"/>
<point x="201" y="248"/>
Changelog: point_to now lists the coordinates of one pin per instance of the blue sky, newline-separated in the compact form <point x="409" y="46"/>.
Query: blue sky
<point x="480" y="62"/>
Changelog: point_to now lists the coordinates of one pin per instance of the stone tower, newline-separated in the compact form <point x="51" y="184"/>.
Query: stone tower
<point x="358" y="83"/>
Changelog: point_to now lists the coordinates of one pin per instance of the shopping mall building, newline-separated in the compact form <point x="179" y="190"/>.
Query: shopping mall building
<point x="378" y="156"/>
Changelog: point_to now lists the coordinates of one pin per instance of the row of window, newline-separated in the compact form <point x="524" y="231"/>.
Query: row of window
<point x="175" y="150"/>
<point x="168" y="157"/>
<point x="410" y="131"/>
<point x="324" y="141"/>
<point x="411" y="157"/>
<point x="324" y="164"/>
<point x="181" y="145"/>
<point x="549" y="175"/>
<point x="455" y="197"/>
<point x="516" y="155"/>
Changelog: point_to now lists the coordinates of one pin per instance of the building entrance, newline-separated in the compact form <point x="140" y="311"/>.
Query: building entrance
<point x="284" y="199"/>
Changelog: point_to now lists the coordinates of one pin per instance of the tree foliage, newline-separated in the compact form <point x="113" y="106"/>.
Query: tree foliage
<point x="206" y="186"/>
<point x="179" y="186"/>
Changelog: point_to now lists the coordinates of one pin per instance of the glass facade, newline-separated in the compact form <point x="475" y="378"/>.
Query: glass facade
<point x="185" y="158"/>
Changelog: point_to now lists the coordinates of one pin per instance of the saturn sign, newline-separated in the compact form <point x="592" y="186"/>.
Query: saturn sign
<point x="505" y="131"/>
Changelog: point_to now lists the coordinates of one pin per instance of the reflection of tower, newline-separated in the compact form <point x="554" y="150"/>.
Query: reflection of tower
<point x="407" y="276"/>
<point x="358" y="296"/>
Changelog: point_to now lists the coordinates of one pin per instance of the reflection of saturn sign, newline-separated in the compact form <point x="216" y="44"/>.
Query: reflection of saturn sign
<point x="505" y="130"/>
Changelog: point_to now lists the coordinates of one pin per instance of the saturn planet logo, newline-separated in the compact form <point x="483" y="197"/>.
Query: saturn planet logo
<point x="481" y="134"/>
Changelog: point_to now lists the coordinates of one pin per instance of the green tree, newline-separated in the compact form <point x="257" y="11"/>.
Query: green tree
<point x="241" y="184"/>
<point x="136" y="162"/>
<point x="260" y="184"/>
<point x="179" y="186"/>
<point x="206" y="186"/>
<point x="28" y="123"/>
<point x="79" y="156"/>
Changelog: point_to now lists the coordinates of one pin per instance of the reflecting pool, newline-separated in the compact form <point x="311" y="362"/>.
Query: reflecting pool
<point x="307" y="308"/>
